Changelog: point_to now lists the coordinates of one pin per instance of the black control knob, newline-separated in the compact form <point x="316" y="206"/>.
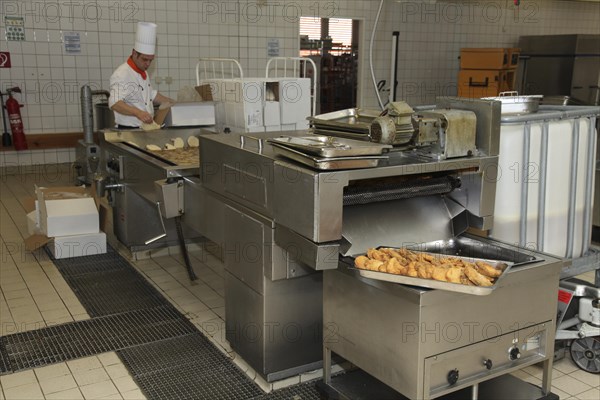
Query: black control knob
<point x="514" y="353"/>
<point x="488" y="363"/>
<point x="453" y="376"/>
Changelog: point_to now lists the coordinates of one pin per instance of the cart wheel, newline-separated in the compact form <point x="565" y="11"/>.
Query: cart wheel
<point x="586" y="354"/>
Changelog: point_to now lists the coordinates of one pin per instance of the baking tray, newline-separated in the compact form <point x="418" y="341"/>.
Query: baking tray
<point x="328" y="163"/>
<point x="433" y="284"/>
<point x="403" y="134"/>
<point x="352" y="119"/>
<point x="330" y="146"/>
<point x="512" y="103"/>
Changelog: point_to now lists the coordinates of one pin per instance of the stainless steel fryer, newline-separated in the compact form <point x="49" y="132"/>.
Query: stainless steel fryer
<point x="131" y="171"/>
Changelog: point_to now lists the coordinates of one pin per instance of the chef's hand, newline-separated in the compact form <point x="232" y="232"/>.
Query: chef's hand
<point x="145" y="117"/>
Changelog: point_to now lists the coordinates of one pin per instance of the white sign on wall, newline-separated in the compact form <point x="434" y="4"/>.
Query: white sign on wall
<point x="72" y="41"/>
<point x="273" y="47"/>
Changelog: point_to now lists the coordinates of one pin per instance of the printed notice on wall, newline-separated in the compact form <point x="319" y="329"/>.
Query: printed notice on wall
<point x="273" y="47"/>
<point x="14" y="28"/>
<point x="72" y="42"/>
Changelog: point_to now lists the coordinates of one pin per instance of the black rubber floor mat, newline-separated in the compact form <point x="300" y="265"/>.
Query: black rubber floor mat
<point x="94" y="336"/>
<point x="189" y="367"/>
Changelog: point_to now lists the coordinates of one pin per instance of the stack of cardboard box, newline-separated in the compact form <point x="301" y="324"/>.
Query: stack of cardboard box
<point x="67" y="219"/>
<point x="486" y="72"/>
<point x="259" y="104"/>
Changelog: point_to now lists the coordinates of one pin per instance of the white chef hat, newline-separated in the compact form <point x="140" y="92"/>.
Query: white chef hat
<point x="145" y="38"/>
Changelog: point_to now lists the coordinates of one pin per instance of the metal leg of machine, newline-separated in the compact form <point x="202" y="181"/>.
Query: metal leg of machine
<point x="273" y="318"/>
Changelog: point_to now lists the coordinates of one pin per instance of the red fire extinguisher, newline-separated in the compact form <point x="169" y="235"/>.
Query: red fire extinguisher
<point x="16" y="123"/>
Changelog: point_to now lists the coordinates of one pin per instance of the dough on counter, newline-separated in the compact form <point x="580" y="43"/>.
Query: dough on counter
<point x="150" y="127"/>
<point x="193" y="141"/>
<point x="152" y="147"/>
<point x="178" y="143"/>
<point x="169" y="146"/>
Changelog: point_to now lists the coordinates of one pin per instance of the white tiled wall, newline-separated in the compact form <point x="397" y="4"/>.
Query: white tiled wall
<point x="431" y="34"/>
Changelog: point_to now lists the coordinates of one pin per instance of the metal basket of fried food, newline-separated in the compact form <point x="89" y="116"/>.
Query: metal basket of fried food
<point x="434" y="271"/>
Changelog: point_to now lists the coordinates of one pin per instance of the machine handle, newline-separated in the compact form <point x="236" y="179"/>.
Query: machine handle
<point x="479" y="84"/>
<point x="162" y="235"/>
<point x="243" y="139"/>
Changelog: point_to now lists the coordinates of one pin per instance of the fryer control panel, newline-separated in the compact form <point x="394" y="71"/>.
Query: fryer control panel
<point x="486" y="359"/>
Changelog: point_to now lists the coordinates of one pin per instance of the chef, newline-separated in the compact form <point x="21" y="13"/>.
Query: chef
<point x="131" y="95"/>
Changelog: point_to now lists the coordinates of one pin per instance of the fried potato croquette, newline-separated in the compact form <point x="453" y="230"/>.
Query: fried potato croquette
<point x="454" y="274"/>
<point x="360" y="261"/>
<point x="411" y="270"/>
<point x="439" y="273"/>
<point x="476" y="277"/>
<point x="377" y="255"/>
<point x="393" y="266"/>
<point x="429" y="266"/>
<point x="487" y="270"/>
<point x="373" y="265"/>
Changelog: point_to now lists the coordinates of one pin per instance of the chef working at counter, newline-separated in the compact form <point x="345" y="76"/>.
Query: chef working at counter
<point x="131" y="95"/>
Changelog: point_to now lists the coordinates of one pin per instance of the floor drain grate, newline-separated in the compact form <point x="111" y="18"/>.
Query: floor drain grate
<point x="94" y="336"/>
<point x="106" y="284"/>
<point x="302" y="391"/>
<point x="189" y="367"/>
<point x="4" y="364"/>
<point x="164" y="352"/>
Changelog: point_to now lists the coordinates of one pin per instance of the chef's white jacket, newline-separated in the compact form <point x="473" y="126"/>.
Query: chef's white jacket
<point x="129" y="86"/>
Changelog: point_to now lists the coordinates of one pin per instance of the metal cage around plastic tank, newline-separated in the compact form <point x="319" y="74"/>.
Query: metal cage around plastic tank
<point x="544" y="192"/>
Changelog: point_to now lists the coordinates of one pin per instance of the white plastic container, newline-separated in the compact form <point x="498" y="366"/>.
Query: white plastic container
<point x="544" y="193"/>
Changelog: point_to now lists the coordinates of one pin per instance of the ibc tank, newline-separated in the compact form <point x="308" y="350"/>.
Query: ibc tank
<point x="544" y="192"/>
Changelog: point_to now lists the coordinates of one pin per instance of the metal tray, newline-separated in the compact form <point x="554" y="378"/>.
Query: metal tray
<point x="329" y="163"/>
<point x="353" y="120"/>
<point x="512" y="103"/>
<point x="433" y="284"/>
<point x="329" y="146"/>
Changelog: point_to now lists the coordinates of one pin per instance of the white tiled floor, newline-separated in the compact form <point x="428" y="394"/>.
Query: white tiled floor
<point x="33" y="295"/>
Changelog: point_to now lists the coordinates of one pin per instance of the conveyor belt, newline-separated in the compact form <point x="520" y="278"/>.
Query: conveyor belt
<point x="354" y="195"/>
<point x="164" y="352"/>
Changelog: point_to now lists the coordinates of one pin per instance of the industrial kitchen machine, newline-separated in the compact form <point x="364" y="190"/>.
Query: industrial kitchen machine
<point x="297" y="208"/>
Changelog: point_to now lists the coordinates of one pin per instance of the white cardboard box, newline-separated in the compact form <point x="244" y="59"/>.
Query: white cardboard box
<point x="33" y="226"/>
<point x="67" y="216"/>
<point x="78" y="245"/>
<point x="295" y="100"/>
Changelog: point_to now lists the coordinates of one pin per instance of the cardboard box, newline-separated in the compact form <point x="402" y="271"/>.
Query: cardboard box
<point x="33" y="225"/>
<point x="78" y="245"/>
<point x="191" y="114"/>
<point x="295" y="100"/>
<point x="69" y="217"/>
<point x="205" y="92"/>
<point x="483" y="58"/>
<point x="61" y="211"/>
<point x="162" y="113"/>
<point x="272" y="115"/>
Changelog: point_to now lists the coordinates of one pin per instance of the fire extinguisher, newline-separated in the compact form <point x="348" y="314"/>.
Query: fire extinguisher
<point x="16" y="123"/>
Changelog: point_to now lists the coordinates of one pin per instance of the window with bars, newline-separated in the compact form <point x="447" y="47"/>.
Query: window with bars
<point x="317" y="29"/>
